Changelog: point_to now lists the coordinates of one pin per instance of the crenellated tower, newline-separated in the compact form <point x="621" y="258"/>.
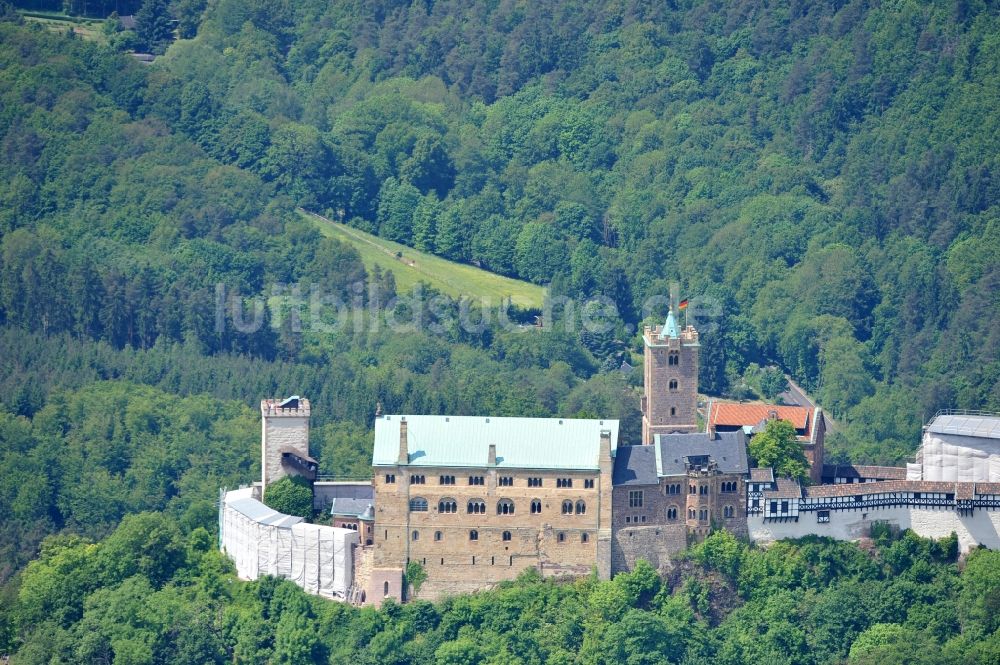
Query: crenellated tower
<point x="670" y="371"/>
<point x="284" y="440"/>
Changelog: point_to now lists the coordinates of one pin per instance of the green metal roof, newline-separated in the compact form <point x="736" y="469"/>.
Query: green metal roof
<point x="670" y="328"/>
<point x="521" y="443"/>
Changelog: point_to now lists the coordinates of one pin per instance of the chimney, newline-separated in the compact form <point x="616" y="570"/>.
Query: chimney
<point x="404" y="454"/>
<point x="605" y="452"/>
<point x="492" y="459"/>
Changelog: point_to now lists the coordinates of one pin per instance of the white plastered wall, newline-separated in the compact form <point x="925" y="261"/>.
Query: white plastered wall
<point x="980" y="528"/>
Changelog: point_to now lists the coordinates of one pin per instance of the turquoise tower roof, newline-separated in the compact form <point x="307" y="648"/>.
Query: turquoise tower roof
<point x="670" y="327"/>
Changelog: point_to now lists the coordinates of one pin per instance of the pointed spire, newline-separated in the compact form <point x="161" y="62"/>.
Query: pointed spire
<point x="670" y="327"/>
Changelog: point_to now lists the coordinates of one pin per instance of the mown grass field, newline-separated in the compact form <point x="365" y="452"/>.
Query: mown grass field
<point x="411" y="266"/>
<point x="88" y="29"/>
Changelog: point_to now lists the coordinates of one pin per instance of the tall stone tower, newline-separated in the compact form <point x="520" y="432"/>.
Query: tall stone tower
<point x="284" y="440"/>
<point x="670" y="371"/>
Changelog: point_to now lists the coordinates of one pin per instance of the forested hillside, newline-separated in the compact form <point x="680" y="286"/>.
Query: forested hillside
<point x="821" y="178"/>
<point x="822" y="175"/>
<point x="809" y="602"/>
<point x="825" y="171"/>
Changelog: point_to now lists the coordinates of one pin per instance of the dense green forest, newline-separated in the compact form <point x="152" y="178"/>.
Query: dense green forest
<point x="903" y="600"/>
<point x="821" y="178"/>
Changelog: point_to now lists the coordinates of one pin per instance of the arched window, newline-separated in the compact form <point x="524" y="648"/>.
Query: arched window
<point x="505" y="507"/>
<point x="567" y="507"/>
<point x="691" y="513"/>
<point x="675" y="358"/>
<point x="385" y="589"/>
<point x="692" y="489"/>
<point x="418" y="504"/>
<point x="536" y="506"/>
<point x="477" y="507"/>
<point x="562" y="537"/>
<point x="506" y="536"/>
<point x="728" y="512"/>
<point x="672" y="513"/>
<point x="581" y="508"/>
<point x="584" y="537"/>
<point x="447" y="505"/>
<point x="673" y="384"/>
<point x="438" y="536"/>
<point x="416" y="535"/>
<point x="473" y="535"/>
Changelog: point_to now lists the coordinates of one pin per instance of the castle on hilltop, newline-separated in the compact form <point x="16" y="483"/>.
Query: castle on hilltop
<point x="476" y="500"/>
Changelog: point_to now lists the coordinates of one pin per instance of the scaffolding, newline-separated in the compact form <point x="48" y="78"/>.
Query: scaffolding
<point x="262" y="541"/>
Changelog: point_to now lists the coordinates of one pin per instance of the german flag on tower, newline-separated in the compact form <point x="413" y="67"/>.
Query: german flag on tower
<point x="682" y="305"/>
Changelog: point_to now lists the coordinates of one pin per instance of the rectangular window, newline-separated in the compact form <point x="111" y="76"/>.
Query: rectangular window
<point x="534" y="482"/>
<point x="447" y="480"/>
<point x="784" y="506"/>
<point x="635" y="499"/>
<point x="588" y="484"/>
<point x="390" y="478"/>
<point x="505" y="481"/>
<point x="774" y="507"/>
<point x="476" y="480"/>
<point x="822" y="515"/>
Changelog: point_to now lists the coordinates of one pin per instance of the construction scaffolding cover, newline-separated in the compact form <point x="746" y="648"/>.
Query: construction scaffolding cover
<point x="262" y="541"/>
<point x="961" y="448"/>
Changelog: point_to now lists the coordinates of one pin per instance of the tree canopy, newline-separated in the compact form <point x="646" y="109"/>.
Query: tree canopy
<point x="778" y="448"/>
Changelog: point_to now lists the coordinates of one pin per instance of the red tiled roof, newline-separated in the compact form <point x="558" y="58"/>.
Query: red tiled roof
<point x="851" y="489"/>
<point x="740" y="415"/>
<point x="987" y="488"/>
<point x="787" y="489"/>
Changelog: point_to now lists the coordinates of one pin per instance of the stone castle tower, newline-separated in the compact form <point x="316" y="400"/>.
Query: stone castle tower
<point x="670" y="371"/>
<point x="284" y="440"/>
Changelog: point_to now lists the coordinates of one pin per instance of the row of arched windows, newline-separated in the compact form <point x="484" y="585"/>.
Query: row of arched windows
<point x="729" y="486"/>
<point x="568" y="507"/>
<point x="504" y="506"/>
<point x="506" y="536"/>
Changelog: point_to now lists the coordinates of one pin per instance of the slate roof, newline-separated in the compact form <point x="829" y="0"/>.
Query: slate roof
<point x="762" y="475"/>
<point x="864" y="471"/>
<point x="728" y="449"/>
<point x="521" y="443"/>
<point x="635" y="465"/>
<point x="346" y="506"/>
<point x="727" y="414"/>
